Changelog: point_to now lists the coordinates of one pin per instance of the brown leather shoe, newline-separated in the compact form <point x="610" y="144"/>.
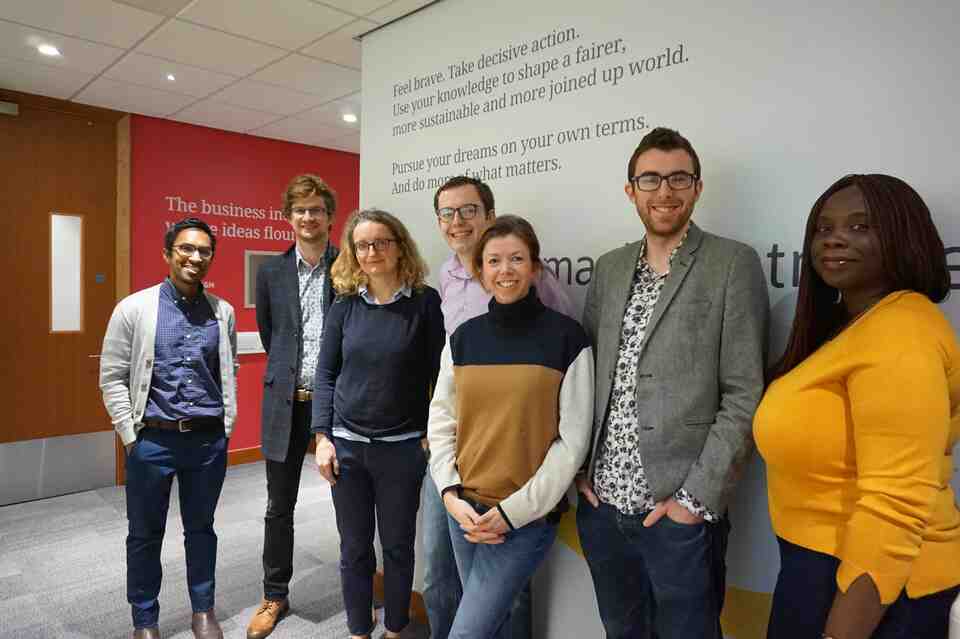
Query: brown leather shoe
<point x="205" y="626"/>
<point x="146" y="633"/>
<point x="266" y="618"/>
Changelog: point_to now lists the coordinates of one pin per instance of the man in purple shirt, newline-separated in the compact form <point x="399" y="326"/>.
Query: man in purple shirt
<point x="465" y="209"/>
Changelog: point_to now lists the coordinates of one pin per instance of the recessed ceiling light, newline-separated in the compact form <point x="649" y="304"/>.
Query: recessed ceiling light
<point x="48" y="49"/>
<point x="349" y="117"/>
<point x="171" y="77"/>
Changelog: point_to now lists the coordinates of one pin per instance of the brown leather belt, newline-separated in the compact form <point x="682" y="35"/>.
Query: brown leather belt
<point x="303" y="395"/>
<point x="185" y="425"/>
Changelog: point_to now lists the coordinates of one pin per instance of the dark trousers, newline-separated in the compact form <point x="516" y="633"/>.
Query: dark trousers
<point x="660" y="581"/>
<point x="378" y="489"/>
<point x="804" y="594"/>
<point x="198" y="459"/>
<point x="283" y="486"/>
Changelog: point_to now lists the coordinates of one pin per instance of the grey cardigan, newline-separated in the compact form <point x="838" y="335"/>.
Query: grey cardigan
<point x="700" y="373"/>
<point x="126" y="360"/>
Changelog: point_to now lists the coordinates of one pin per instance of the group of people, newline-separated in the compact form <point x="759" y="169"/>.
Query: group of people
<point x="650" y="406"/>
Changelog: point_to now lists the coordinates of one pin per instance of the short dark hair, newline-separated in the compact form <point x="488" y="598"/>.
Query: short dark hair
<point x="308" y="185"/>
<point x="910" y="248"/>
<point x="486" y="195"/>
<point x="502" y="227"/>
<point x="663" y="139"/>
<point x="188" y="223"/>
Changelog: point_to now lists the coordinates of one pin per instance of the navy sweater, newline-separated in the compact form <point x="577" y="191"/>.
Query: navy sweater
<point x="378" y="365"/>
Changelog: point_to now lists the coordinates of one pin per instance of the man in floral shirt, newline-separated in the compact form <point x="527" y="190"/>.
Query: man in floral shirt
<point x="678" y="321"/>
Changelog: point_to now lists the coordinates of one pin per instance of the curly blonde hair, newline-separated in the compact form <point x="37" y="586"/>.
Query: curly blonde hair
<point x="346" y="273"/>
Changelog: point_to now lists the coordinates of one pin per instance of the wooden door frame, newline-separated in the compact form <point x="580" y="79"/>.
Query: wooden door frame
<point x="123" y="245"/>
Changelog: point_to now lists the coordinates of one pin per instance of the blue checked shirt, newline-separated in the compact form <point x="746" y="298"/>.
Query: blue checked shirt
<point x="186" y="372"/>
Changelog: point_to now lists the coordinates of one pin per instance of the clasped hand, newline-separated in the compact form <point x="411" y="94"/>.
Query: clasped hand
<point x="488" y="528"/>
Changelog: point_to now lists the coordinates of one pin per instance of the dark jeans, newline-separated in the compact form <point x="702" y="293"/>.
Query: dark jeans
<point x="804" y="594"/>
<point x="660" y="581"/>
<point x="199" y="461"/>
<point x="283" y="486"/>
<point x="377" y="482"/>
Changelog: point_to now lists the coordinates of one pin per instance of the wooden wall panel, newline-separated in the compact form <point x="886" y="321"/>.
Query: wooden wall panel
<point x="54" y="157"/>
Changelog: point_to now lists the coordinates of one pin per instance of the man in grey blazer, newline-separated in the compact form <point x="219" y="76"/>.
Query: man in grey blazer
<point x="678" y="322"/>
<point x="294" y="293"/>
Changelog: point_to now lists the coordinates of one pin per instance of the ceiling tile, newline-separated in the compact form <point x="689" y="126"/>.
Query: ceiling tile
<point x="348" y="143"/>
<point x="99" y="20"/>
<point x="297" y="130"/>
<point x="397" y="9"/>
<point x="339" y="46"/>
<point x="267" y="97"/>
<point x="29" y="77"/>
<point x="328" y="81"/>
<point x="193" y="44"/>
<point x="152" y="72"/>
<point x="357" y="7"/>
<point x="165" y="7"/>
<point x="21" y="43"/>
<point x="331" y="113"/>
<point x="224" y="116"/>
<point x="131" y="97"/>
<point x="290" y="24"/>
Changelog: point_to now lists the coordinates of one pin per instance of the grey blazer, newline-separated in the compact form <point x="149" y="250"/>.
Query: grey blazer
<point x="278" y="321"/>
<point x="700" y="373"/>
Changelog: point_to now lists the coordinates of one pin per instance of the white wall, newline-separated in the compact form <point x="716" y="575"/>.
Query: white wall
<point x="779" y="100"/>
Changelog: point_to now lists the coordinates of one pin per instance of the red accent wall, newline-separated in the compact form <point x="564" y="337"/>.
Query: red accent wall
<point x="234" y="182"/>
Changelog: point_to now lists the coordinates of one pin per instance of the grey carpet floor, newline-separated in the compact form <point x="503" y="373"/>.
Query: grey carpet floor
<point x="62" y="564"/>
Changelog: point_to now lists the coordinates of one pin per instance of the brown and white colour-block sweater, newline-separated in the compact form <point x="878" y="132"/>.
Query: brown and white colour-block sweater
<point x="512" y="414"/>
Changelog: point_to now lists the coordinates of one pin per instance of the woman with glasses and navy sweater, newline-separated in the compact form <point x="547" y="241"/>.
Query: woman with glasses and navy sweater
<point x="510" y="424"/>
<point x="379" y="359"/>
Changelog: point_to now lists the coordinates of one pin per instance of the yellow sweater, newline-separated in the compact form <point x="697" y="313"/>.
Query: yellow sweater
<point x="858" y="443"/>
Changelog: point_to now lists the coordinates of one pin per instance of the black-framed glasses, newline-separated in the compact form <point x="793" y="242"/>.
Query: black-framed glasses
<point x="381" y="244"/>
<point x="467" y="212"/>
<point x="677" y="181"/>
<point x="316" y="211"/>
<point x="188" y="250"/>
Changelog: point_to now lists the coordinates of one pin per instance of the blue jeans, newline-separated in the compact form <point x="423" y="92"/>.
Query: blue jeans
<point x="199" y="461"/>
<point x="441" y="581"/>
<point x="493" y="575"/>
<point x="378" y="489"/>
<point x="804" y="594"/>
<point x="651" y="582"/>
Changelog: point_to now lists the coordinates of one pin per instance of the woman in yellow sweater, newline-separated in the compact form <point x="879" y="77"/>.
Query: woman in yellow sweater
<point x="859" y="423"/>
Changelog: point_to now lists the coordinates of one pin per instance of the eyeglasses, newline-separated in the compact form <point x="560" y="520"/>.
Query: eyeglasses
<point x="467" y="212"/>
<point x="188" y="250"/>
<point x="677" y="181"/>
<point x="381" y="244"/>
<point x="316" y="211"/>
